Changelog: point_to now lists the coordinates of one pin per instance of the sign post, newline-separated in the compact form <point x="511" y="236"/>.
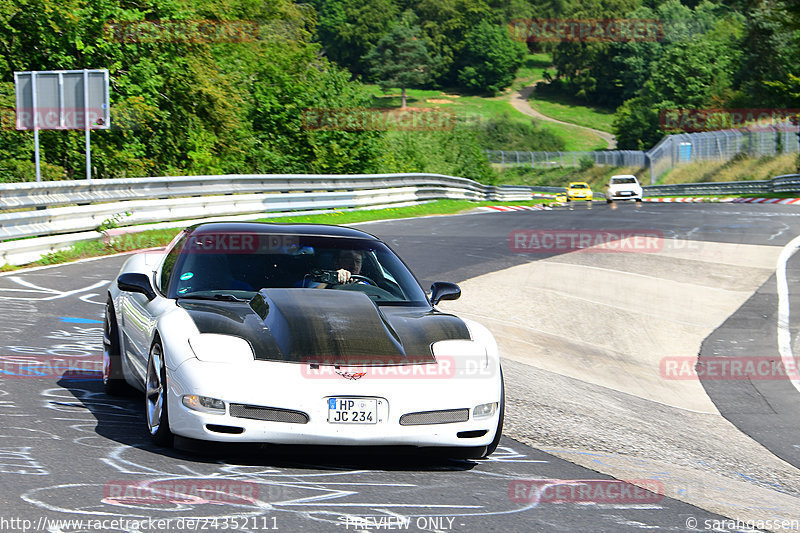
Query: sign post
<point x="62" y="100"/>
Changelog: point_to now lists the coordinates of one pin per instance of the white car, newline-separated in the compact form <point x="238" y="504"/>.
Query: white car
<point x="249" y="332"/>
<point x="624" y="187"/>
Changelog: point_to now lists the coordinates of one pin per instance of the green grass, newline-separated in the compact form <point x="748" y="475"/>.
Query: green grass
<point x="533" y="69"/>
<point x="568" y="110"/>
<point x="470" y="108"/>
<point x="158" y="238"/>
<point x="473" y="108"/>
<point x="737" y="169"/>
<point x="576" y="139"/>
<point x="465" y="106"/>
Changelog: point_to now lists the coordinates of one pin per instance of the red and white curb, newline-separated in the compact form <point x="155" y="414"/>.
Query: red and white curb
<point x="726" y="200"/>
<point x="766" y="200"/>
<point x="515" y="208"/>
<point x="684" y="199"/>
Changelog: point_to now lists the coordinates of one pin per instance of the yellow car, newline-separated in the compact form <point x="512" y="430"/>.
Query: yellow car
<point x="579" y="190"/>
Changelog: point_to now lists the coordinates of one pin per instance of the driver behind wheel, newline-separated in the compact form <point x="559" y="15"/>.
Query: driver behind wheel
<point x="346" y="264"/>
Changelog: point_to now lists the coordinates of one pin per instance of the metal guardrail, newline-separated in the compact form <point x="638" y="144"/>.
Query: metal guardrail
<point x="548" y="190"/>
<point x="40" y="216"/>
<point x="781" y="184"/>
<point x="54" y="193"/>
<point x="786" y="183"/>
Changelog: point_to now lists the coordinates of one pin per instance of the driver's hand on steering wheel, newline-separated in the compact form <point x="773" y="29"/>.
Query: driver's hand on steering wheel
<point x="343" y="275"/>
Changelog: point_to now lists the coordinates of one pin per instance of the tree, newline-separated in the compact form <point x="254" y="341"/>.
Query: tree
<point x="445" y="25"/>
<point x="400" y="59"/>
<point x="771" y="47"/>
<point x="490" y="59"/>
<point x="348" y="29"/>
<point x="636" y="125"/>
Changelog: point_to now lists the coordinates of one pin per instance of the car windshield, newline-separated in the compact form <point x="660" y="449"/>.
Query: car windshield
<point x="578" y="186"/>
<point x="623" y="180"/>
<point x="222" y="266"/>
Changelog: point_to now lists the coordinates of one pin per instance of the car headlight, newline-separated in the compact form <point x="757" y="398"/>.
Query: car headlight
<point x="204" y="404"/>
<point x="466" y="358"/>
<point x="216" y="348"/>
<point x="484" y="410"/>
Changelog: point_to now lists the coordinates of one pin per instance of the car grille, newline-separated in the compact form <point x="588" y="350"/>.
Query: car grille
<point x="435" y="417"/>
<point x="269" y="414"/>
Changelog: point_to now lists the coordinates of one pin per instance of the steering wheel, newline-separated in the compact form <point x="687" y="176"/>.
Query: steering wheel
<point x="365" y="279"/>
<point x="330" y="277"/>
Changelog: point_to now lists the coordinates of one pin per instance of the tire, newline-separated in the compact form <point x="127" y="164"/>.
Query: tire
<point x="155" y="398"/>
<point x="608" y="201"/>
<point x="113" y="379"/>
<point x="638" y="200"/>
<point x="499" y="434"/>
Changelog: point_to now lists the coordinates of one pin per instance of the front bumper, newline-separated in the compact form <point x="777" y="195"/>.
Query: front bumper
<point x="295" y="387"/>
<point x="624" y="195"/>
<point x="581" y="197"/>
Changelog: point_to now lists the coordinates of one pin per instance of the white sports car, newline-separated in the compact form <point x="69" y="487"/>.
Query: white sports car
<point x="298" y="334"/>
<point x="624" y="187"/>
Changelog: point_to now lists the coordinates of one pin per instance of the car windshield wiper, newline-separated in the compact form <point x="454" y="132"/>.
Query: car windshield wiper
<point x="218" y="296"/>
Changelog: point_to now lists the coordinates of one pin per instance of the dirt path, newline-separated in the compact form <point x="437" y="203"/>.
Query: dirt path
<point x="520" y="102"/>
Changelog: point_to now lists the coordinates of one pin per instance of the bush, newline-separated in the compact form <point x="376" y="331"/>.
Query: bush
<point x="586" y="163"/>
<point x="15" y="171"/>
<point x="505" y="133"/>
<point x="456" y="152"/>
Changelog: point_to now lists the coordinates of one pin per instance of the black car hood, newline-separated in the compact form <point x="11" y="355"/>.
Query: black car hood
<point x="327" y="327"/>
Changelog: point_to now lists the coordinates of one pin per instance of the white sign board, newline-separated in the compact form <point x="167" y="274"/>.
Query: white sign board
<point x="62" y="100"/>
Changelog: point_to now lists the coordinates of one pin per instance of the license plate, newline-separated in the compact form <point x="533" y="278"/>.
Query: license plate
<point x="625" y="193"/>
<point x="352" y="411"/>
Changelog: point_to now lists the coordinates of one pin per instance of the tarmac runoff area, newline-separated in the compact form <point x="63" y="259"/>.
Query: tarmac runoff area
<point x="583" y="335"/>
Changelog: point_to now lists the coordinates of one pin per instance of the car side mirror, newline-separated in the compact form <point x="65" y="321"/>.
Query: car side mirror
<point x="136" y="282"/>
<point x="444" y="290"/>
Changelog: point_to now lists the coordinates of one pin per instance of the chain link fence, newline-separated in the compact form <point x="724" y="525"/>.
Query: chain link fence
<point x="720" y="145"/>
<point x="619" y="158"/>
<point x="670" y="152"/>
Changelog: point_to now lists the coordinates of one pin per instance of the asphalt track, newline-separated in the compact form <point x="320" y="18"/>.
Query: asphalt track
<point x="67" y="449"/>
